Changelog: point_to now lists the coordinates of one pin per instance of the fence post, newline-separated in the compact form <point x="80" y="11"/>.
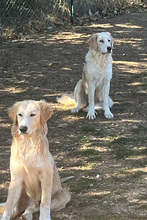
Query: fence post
<point x="71" y="11"/>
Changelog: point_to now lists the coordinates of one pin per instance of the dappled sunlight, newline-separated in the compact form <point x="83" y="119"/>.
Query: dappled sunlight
<point x="59" y="38"/>
<point x="135" y="170"/>
<point x="131" y="63"/>
<point x="128" y="173"/>
<point x="142" y="91"/>
<point x="4" y="185"/>
<point x="80" y="168"/>
<point x="95" y="25"/>
<point x="122" y="121"/>
<point x="128" y="25"/>
<point x="138" y="200"/>
<point x="4" y="124"/>
<point x="138" y="157"/>
<point x="71" y="118"/>
<point x="4" y="171"/>
<point x="128" y="40"/>
<point x="14" y="90"/>
<point x="66" y="68"/>
<point x="135" y="84"/>
<point x="63" y="37"/>
<point x="96" y="193"/>
<point x="130" y="67"/>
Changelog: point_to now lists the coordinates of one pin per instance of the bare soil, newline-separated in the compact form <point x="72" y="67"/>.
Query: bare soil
<point x="108" y="158"/>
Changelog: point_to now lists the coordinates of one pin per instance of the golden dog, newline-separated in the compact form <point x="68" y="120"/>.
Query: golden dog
<point x="35" y="183"/>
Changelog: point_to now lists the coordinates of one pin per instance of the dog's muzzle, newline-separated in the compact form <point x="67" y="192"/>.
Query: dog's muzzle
<point x="23" y="129"/>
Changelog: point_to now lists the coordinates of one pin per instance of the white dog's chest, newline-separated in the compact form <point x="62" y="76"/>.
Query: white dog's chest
<point x="97" y="74"/>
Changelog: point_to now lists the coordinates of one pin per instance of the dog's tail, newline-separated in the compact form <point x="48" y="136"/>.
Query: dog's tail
<point x="66" y="100"/>
<point x="65" y="179"/>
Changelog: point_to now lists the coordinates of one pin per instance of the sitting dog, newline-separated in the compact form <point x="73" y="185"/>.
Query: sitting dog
<point x="35" y="183"/>
<point x="92" y="91"/>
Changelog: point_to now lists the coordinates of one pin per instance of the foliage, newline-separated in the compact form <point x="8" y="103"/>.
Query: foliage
<point x="26" y="17"/>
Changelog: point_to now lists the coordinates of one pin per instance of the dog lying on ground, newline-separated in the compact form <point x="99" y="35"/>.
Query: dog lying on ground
<point x="35" y="183"/>
<point x="92" y="91"/>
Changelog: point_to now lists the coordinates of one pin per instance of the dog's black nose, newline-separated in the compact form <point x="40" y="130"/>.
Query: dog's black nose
<point x="109" y="49"/>
<point x="23" y="129"/>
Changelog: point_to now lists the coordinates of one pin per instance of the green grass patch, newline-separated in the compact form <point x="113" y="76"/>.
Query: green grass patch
<point x="88" y="129"/>
<point x="120" y="147"/>
<point x="120" y="140"/>
<point x="82" y="184"/>
<point x="93" y="130"/>
<point x="83" y="139"/>
<point x="92" y="165"/>
<point x="82" y="29"/>
<point x="88" y="152"/>
<point x="122" y="107"/>
<point x="91" y="154"/>
<point x="122" y="152"/>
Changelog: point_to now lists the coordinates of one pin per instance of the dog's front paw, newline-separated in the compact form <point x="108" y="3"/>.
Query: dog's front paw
<point x="27" y="215"/>
<point x="45" y="213"/>
<point x="108" y="114"/>
<point x="75" y="110"/>
<point x="45" y="218"/>
<point x="91" y="114"/>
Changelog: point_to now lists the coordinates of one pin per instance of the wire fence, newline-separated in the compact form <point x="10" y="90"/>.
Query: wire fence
<point x="25" y="16"/>
<point x="19" y="15"/>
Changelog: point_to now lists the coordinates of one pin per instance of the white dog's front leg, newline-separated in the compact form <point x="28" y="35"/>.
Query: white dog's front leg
<point x="108" y="114"/>
<point x="91" y="110"/>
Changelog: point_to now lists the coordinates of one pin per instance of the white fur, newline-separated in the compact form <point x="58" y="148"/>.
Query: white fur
<point x="97" y="73"/>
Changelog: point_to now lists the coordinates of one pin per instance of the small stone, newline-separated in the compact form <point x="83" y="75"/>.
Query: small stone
<point x="63" y="125"/>
<point x="98" y="176"/>
<point x="135" y="126"/>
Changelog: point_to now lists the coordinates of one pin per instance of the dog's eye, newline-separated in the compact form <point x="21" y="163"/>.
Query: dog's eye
<point x="108" y="40"/>
<point x="32" y="115"/>
<point x="101" y="41"/>
<point x="20" y="115"/>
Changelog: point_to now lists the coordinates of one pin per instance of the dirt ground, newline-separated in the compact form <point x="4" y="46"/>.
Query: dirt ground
<point x="108" y="158"/>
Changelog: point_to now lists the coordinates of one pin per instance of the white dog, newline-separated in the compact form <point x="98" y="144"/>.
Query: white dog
<point x="93" y="89"/>
<point x="35" y="183"/>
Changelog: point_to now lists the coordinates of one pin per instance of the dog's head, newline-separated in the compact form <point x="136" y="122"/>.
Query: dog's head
<point x="101" y="42"/>
<point x="29" y="115"/>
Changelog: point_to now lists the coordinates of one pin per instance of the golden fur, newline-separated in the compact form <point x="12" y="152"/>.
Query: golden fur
<point x="35" y="183"/>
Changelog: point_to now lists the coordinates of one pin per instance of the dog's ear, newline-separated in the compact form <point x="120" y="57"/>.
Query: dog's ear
<point x="112" y="42"/>
<point x="45" y="111"/>
<point x="12" y="111"/>
<point x="112" y="39"/>
<point x="93" y="42"/>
